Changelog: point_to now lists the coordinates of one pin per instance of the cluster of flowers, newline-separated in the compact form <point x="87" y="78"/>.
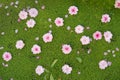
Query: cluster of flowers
<point x="80" y="29"/>
<point x="66" y="48"/>
<point x="65" y="69"/>
<point x="96" y="35"/>
<point x="107" y="35"/>
<point x="85" y="40"/>
<point x="32" y="12"/>
<point x="36" y="49"/>
<point x="73" y="10"/>
<point x="111" y="51"/>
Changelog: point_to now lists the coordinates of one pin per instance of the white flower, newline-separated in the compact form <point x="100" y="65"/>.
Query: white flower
<point x="36" y="49"/>
<point x="68" y="27"/>
<point x="47" y="37"/>
<point x="59" y="21"/>
<point x="66" y="69"/>
<point x="66" y="49"/>
<point x="85" y="40"/>
<point x="19" y="44"/>
<point x="103" y="64"/>
<point x="105" y="18"/>
<point x="79" y="29"/>
<point x="108" y="36"/>
<point x="31" y="23"/>
<point x="39" y="70"/>
<point x="33" y="12"/>
<point x="23" y="15"/>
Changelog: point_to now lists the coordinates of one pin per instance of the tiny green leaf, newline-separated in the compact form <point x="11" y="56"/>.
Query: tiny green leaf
<point x="79" y="59"/>
<point x="45" y="77"/>
<point x="51" y="77"/>
<point x="47" y="70"/>
<point x="54" y="62"/>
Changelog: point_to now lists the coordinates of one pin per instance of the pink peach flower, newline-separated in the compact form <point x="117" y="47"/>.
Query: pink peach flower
<point x="66" y="69"/>
<point x="97" y="35"/>
<point x="47" y="37"/>
<point x="66" y="49"/>
<point x="117" y="4"/>
<point x="105" y="18"/>
<point x="73" y="10"/>
<point x="7" y="56"/>
<point x="59" y="21"/>
<point x="31" y="23"/>
<point x="103" y="64"/>
<point x="23" y="15"/>
<point x="36" y="49"/>
<point x="33" y="12"/>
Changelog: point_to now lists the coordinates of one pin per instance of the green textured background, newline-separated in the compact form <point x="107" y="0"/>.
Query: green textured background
<point x="22" y="67"/>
